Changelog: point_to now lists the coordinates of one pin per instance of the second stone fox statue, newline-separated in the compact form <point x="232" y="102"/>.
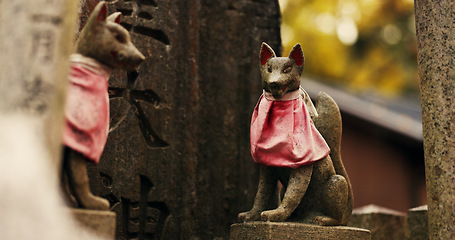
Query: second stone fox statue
<point x="102" y="45"/>
<point x="299" y="145"/>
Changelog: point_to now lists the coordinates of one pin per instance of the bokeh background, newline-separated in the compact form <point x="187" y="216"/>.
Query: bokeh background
<point x="367" y="46"/>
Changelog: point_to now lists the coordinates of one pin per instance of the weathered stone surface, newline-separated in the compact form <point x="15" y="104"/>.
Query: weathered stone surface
<point x="418" y="223"/>
<point x="101" y="223"/>
<point x="384" y="224"/>
<point x="290" y="231"/>
<point x="177" y="163"/>
<point x="31" y="204"/>
<point x="36" y="39"/>
<point x="436" y="51"/>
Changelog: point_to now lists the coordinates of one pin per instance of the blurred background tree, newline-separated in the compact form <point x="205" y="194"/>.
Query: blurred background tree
<point x="367" y="46"/>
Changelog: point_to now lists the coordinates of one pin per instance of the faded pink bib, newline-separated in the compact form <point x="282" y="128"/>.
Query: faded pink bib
<point x="282" y="134"/>
<point x="87" y="108"/>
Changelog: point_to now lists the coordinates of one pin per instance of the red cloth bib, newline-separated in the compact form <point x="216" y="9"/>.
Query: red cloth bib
<point x="87" y="108"/>
<point x="282" y="134"/>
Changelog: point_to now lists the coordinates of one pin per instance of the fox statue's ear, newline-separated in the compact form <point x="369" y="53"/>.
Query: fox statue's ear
<point x="296" y="54"/>
<point x="100" y="12"/>
<point x="115" y="17"/>
<point x="94" y="25"/>
<point x="266" y="53"/>
<point x="97" y="17"/>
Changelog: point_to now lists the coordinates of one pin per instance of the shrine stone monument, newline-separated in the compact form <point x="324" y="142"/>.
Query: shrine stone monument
<point x="417" y="223"/>
<point x="435" y="43"/>
<point x="36" y="39"/>
<point x="177" y="162"/>
<point x="383" y="223"/>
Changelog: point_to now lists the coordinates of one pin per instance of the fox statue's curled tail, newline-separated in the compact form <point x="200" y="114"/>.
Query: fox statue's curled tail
<point x="328" y="122"/>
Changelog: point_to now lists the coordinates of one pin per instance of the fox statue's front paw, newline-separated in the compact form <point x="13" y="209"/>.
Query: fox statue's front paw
<point x="251" y="215"/>
<point x="276" y="215"/>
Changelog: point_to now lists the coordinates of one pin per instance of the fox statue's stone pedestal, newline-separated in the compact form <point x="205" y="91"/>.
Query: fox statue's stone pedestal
<point x="101" y="223"/>
<point x="289" y="230"/>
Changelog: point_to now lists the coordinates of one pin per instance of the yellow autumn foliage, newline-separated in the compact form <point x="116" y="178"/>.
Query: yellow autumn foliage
<point x="366" y="45"/>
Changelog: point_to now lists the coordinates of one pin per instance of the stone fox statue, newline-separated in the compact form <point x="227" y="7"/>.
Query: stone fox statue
<point x="102" y="45"/>
<point x="299" y="145"/>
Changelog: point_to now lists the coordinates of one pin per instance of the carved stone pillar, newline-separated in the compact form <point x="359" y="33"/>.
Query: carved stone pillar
<point x="177" y="163"/>
<point x="436" y="52"/>
<point x="36" y="39"/>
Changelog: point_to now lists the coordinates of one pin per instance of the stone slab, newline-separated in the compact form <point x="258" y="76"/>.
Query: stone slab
<point x="36" y="39"/>
<point x="177" y="162"/>
<point x="418" y="223"/>
<point x="384" y="224"/>
<point x="101" y="223"/>
<point x="435" y="53"/>
<point x="287" y="230"/>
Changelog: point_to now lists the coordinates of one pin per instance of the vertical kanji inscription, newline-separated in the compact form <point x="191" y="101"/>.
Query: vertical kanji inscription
<point x="133" y="97"/>
<point x="144" y="219"/>
<point x="138" y="18"/>
<point x="38" y="87"/>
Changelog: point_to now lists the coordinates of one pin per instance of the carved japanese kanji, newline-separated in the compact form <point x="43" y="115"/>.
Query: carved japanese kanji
<point x="38" y="93"/>
<point x="42" y="47"/>
<point x="41" y="54"/>
<point x="138" y="18"/>
<point x="132" y="96"/>
<point x="145" y="219"/>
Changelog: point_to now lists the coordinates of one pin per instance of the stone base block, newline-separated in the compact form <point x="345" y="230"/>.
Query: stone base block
<point x="101" y="223"/>
<point x="288" y="230"/>
<point x="418" y="223"/>
<point x="383" y="223"/>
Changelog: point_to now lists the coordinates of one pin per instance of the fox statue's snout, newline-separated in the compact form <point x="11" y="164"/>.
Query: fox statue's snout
<point x="104" y="39"/>
<point x="281" y="75"/>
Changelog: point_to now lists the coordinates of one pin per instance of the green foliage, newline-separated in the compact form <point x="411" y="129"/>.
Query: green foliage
<point x="366" y="45"/>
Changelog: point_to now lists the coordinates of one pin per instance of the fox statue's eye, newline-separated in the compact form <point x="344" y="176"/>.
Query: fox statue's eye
<point x="269" y="69"/>
<point x="119" y="37"/>
<point x="121" y="57"/>
<point x="288" y="69"/>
